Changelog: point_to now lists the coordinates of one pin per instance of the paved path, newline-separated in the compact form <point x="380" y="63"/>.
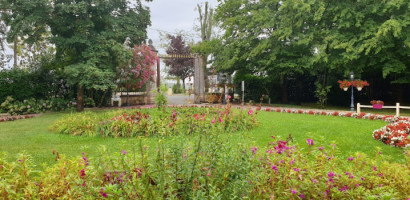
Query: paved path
<point x="180" y="99"/>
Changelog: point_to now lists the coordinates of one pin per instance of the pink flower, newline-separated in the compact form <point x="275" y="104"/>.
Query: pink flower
<point x="213" y="121"/>
<point x="302" y="196"/>
<point x="254" y="150"/>
<point x="309" y="142"/>
<point x="274" y="168"/>
<point x="350" y="158"/>
<point x="293" y="191"/>
<point x="82" y="173"/>
<point x="220" y="120"/>
<point x="123" y="152"/>
<point x="250" y="112"/>
<point x="321" y="148"/>
<point x="28" y="107"/>
<point x="296" y="169"/>
<point x="330" y="174"/>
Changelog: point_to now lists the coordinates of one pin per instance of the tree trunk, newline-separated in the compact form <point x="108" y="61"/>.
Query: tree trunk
<point x="80" y="98"/>
<point x="284" y="89"/>
<point x="15" y="51"/>
<point x="102" y="99"/>
<point x="299" y="96"/>
<point x="183" y="85"/>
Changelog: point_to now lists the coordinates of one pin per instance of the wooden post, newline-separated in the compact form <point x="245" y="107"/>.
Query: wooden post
<point x="358" y="108"/>
<point x="397" y="109"/>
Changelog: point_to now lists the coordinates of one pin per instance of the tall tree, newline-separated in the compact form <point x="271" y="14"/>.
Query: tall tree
<point x="206" y="23"/>
<point x="179" y="67"/>
<point x="88" y="36"/>
<point x="319" y="37"/>
<point x="27" y="21"/>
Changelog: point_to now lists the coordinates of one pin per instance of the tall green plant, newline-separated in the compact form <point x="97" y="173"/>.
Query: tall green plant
<point x="160" y="97"/>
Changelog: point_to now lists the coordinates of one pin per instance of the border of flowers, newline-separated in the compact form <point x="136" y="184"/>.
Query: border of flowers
<point x="17" y="117"/>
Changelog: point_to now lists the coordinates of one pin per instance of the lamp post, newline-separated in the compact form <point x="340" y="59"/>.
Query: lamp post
<point x="351" y="74"/>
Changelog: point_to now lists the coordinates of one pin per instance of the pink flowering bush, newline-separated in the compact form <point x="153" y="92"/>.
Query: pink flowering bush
<point x="209" y="167"/>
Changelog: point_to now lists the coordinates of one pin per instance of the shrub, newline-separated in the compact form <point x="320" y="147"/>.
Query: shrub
<point x="147" y="122"/>
<point x="31" y="106"/>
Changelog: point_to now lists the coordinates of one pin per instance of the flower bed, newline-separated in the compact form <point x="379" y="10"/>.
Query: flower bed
<point x="396" y="134"/>
<point x="16" y="117"/>
<point x="147" y="122"/>
<point x="210" y="168"/>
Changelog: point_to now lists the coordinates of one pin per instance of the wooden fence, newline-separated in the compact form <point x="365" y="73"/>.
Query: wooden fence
<point x="397" y="107"/>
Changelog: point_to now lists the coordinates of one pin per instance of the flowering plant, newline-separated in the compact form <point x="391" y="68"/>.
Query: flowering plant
<point x="377" y="102"/>
<point x="360" y="83"/>
<point x="344" y="84"/>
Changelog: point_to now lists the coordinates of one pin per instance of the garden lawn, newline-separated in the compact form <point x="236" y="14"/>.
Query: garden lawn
<point x="350" y="135"/>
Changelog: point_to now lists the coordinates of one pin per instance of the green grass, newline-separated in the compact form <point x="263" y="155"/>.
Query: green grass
<point x="351" y="135"/>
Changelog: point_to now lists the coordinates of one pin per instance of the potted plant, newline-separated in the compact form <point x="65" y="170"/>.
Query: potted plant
<point x="359" y="84"/>
<point x="377" y="104"/>
<point x="345" y="84"/>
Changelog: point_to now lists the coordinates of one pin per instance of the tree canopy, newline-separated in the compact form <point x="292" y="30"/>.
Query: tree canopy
<point x="88" y="36"/>
<point x="179" y="67"/>
<point x="292" y="38"/>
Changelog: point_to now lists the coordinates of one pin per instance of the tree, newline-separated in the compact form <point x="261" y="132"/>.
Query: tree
<point x="27" y="21"/>
<point x="140" y="70"/>
<point x="88" y="37"/>
<point x="179" y="67"/>
<point x="317" y="37"/>
<point x="206" y="23"/>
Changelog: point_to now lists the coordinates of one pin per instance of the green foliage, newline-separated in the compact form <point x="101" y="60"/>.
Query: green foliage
<point x="160" y="98"/>
<point x="30" y="106"/>
<point x="177" y="89"/>
<point x="209" y="167"/>
<point x="37" y="83"/>
<point x="152" y="122"/>
<point x="321" y="93"/>
<point x="89" y="102"/>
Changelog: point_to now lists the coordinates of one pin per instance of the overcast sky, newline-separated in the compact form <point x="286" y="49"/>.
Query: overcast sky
<point x="170" y="16"/>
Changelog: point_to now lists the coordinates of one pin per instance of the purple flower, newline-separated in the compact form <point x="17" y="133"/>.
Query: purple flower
<point x="103" y="193"/>
<point x="296" y="169"/>
<point x="374" y="168"/>
<point x="321" y="148"/>
<point x="292" y="162"/>
<point x="309" y="142"/>
<point x="302" y="196"/>
<point x="82" y="173"/>
<point x="350" y="158"/>
<point x="314" y="181"/>
<point x="380" y="174"/>
<point x="274" y="168"/>
<point x="293" y="191"/>
<point x="254" y="150"/>
<point x="85" y="161"/>
<point x="362" y="178"/>
<point x="123" y="152"/>
<point x="330" y="174"/>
